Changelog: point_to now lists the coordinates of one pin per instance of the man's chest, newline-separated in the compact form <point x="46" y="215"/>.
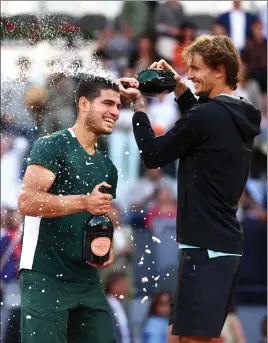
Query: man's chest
<point x="80" y="173"/>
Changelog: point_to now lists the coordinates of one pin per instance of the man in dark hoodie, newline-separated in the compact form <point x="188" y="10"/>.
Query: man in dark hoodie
<point x="213" y="140"/>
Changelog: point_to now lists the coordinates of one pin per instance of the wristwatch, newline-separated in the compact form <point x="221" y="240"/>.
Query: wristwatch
<point x="138" y="103"/>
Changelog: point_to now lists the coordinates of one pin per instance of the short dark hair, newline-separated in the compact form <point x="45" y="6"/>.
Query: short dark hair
<point x="256" y="20"/>
<point x="101" y="54"/>
<point x="112" y="279"/>
<point x="90" y="87"/>
<point x="155" y="301"/>
<point x="188" y="25"/>
<point x="24" y="61"/>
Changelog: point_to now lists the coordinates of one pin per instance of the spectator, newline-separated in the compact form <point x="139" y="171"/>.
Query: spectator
<point x="165" y="206"/>
<point x="123" y="249"/>
<point x="218" y="29"/>
<point x="76" y="70"/>
<point x="249" y="88"/>
<point x="35" y="100"/>
<point x="257" y="183"/>
<point x="122" y="145"/>
<point x="107" y="62"/>
<point x="11" y="229"/>
<point x="237" y="23"/>
<point x="261" y="142"/>
<point x="157" y="106"/>
<point x="16" y="116"/>
<point x="143" y="56"/>
<point x="11" y="165"/>
<point x="116" y="288"/>
<point x="114" y="45"/>
<point x="258" y="171"/>
<point x="54" y="66"/>
<point x="255" y="55"/>
<point x="110" y="67"/>
<point x="253" y="207"/>
<point x="147" y="186"/>
<point x="169" y="16"/>
<point x="142" y="201"/>
<point x="254" y="222"/>
<point x="9" y="244"/>
<point x="263" y="18"/>
<point x="5" y="144"/>
<point x="264" y="330"/>
<point x="134" y="17"/>
<point x="59" y="106"/>
<point x="161" y="221"/>
<point x="156" y="326"/>
<point x="186" y="37"/>
<point x="250" y="208"/>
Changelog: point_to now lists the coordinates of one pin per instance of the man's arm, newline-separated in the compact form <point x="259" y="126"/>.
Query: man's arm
<point x="35" y="201"/>
<point x="178" y="142"/>
<point x="186" y="101"/>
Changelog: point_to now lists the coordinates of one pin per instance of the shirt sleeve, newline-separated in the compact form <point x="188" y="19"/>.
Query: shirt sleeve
<point x="46" y="152"/>
<point x="180" y="141"/>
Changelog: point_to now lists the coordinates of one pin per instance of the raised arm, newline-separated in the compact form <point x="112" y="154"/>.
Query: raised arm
<point x="181" y="140"/>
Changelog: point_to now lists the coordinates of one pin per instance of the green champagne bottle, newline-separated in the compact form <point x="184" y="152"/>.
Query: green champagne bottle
<point x="153" y="82"/>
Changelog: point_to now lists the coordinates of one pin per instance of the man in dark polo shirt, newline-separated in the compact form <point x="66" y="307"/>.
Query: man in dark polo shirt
<point x="62" y="298"/>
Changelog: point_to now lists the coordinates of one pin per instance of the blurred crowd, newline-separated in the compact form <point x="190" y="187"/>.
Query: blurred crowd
<point x="145" y="210"/>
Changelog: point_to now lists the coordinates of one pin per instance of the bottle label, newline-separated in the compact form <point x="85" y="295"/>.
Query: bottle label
<point x="100" y="246"/>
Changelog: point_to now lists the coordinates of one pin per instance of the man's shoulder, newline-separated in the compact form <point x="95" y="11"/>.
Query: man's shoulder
<point x="55" y="137"/>
<point x="204" y="106"/>
<point x="53" y="141"/>
<point x="204" y="112"/>
<point x="224" y="16"/>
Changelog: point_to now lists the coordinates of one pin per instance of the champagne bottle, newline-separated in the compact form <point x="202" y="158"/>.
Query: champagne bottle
<point x="153" y="82"/>
<point x="98" y="236"/>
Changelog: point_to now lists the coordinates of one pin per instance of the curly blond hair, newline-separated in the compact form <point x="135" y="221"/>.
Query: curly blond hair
<point x="216" y="51"/>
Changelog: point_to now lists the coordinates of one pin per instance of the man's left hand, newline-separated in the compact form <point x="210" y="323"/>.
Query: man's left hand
<point x="106" y="264"/>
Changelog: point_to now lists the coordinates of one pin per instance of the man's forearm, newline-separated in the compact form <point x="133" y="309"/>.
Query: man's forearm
<point x="180" y="89"/>
<point x="46" y="205"/>
<point x="185" y="101"/>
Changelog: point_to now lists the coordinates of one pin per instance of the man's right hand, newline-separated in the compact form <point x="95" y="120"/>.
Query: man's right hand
<point x="181" y="87"/>
<point x="98" y="203"/>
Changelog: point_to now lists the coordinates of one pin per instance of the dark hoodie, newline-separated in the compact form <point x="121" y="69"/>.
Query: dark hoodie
<point x="214" y="141"/>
